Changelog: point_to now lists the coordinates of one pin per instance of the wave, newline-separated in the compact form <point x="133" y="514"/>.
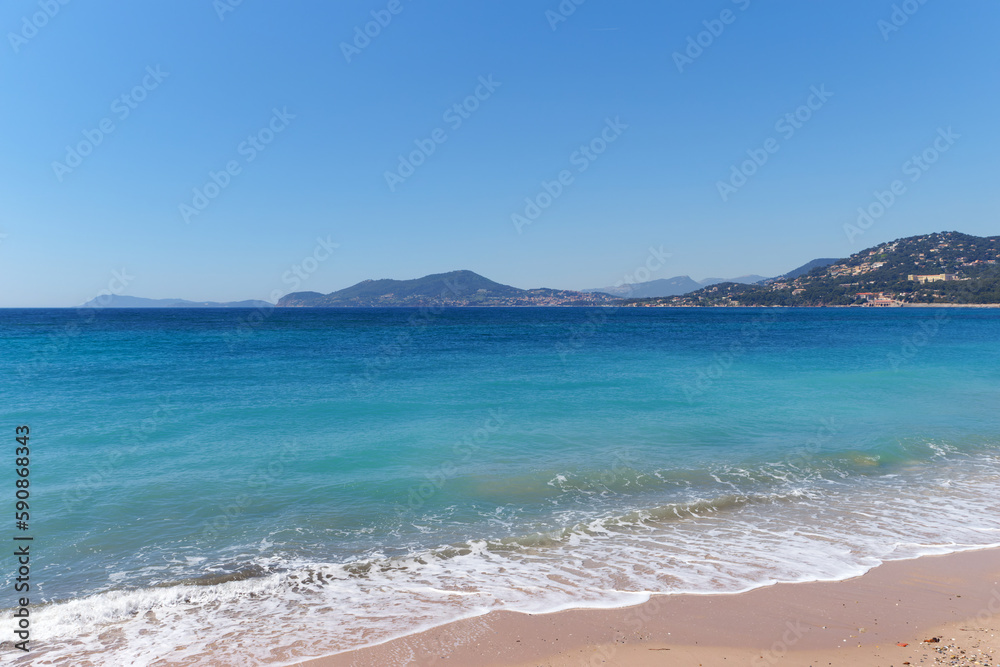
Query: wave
<point x="831" y="519"/>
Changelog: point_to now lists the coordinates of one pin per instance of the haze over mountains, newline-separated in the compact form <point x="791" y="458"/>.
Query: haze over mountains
<point x="121" y="301"/>
<point x="669" y="286"/>
<point x="946" y="268"/>
<point x="455" y="288"/>
<point x="970" y="263"/>
<point x="743" y="280"/>
<point x="804" y="269"/>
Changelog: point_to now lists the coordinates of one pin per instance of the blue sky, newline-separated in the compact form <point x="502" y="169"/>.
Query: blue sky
<point x="209" y="85"/>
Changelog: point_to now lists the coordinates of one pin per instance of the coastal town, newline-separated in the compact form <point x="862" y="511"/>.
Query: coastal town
<point x="932" y="269"/>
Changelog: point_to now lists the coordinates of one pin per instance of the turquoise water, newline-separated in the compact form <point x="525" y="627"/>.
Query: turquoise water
<point x="309" y="481"/>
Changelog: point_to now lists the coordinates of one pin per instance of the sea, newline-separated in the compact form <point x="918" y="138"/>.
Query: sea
<point x="257" y="487"/>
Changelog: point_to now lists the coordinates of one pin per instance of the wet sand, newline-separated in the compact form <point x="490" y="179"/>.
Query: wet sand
<point x="862" y="621"/>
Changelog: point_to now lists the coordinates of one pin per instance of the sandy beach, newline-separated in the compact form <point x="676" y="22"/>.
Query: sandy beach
<point x="931" y="610"/>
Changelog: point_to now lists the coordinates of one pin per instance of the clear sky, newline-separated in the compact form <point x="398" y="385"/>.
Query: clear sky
<point x="310" y="127"/>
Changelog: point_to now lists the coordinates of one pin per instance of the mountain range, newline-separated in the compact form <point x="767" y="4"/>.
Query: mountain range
<point x="119" y="301"/>
<point x="939" y="268"/>
<point x="668" y="286"/>
<point x="946" y="267"/>
<point x="801" y="271"/>
<point x="456" y="288"/>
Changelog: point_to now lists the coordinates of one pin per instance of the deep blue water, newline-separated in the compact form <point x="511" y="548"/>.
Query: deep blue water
<point x="335" y="477"/>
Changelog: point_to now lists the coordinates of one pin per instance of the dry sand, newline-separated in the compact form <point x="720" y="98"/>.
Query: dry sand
<point x="861" y="621"/>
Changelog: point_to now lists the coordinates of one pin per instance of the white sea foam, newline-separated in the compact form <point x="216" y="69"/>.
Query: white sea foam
<point x="821" y="529"/>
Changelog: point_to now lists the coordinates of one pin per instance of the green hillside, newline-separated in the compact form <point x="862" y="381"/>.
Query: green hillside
<point x="882" y="272"/>
<point x="456" y="288"/>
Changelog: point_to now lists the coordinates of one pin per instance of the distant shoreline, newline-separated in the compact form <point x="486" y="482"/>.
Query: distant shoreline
<point x="902" y="305"/>
<point x="951" y="305"/>
<point x="600" y="305"/>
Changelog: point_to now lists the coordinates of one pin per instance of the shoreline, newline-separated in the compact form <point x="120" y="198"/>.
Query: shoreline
<point x="858" y="621"/>
<point x="901" y="305"/>
<point x="623" y="304"/>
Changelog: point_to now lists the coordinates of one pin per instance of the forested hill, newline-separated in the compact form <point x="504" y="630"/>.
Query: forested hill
<point x="456" y="288"/>
<point x="883" y="272"/>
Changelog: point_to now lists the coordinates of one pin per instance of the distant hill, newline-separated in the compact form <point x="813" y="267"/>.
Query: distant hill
<point x="806" y="268"/>
<point x="743" y="280"/>
<point x="116" y="301"/>
<point x="971" y="265"/>
<point x="456" y="288"/>
<point x="669" y="286"/>
<point x="651" y="288"/>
